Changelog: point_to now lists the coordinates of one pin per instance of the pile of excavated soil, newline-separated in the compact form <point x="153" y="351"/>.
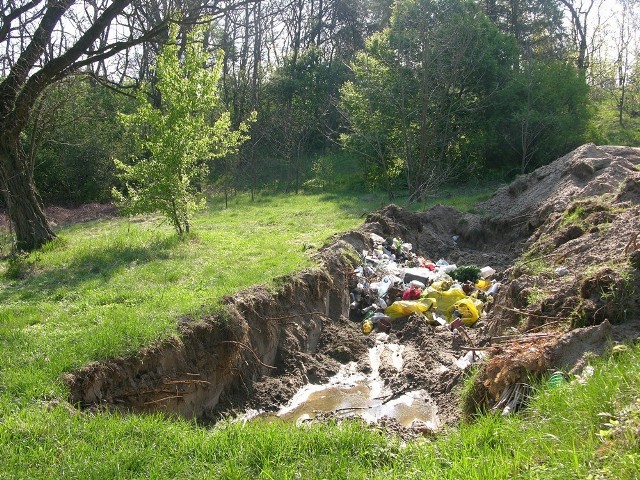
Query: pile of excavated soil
<point x="563" y="240"/>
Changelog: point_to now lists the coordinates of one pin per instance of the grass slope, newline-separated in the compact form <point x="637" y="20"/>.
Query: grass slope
<point x="106" y="288"/>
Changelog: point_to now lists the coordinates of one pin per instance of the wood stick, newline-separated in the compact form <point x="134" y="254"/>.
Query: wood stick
<point x="521" y="312"/>
<point x="163" y="399"/>
<point x="251" y="350"/>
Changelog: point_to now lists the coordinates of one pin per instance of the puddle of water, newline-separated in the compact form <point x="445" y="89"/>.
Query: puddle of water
<point x="352" y="393"/>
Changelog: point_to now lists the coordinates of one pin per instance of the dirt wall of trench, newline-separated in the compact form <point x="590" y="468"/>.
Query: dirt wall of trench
<point x="221" y="356"/>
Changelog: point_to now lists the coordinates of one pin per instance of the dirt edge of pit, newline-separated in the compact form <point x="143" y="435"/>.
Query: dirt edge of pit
<point x="271" y="343"/>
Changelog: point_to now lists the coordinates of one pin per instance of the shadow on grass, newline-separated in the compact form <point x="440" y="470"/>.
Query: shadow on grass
<point x="95" y="264"/>
<point x="357" y="204"/>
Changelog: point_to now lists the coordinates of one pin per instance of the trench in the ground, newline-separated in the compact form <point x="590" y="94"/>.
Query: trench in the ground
<point x="353" y="392"/>
<point x="272" y="343"/>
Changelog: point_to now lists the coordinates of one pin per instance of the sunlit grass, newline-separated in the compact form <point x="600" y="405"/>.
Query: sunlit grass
<point x="109" y="287"/>
<point x="605" y="128"/>
<point x="106" y="288"/>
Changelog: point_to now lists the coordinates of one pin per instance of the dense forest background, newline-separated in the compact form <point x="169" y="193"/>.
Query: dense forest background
<point x="404" y="96"/>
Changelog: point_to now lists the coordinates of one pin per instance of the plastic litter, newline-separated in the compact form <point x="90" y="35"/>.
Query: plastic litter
<point x="469" y="358"/>
<point x="494" y="288"/>
<point x="445" y="300"/>
<point x="384" y="285"/>
<point x="384" y="325"/>
<point x="367" y="327"/>
<point x="467" y="310"/>
<point x="421" y="274"/>
<point x="412" y="293"/>
<point x="395" y="282"/>
<point x="513" y="398"/>
<point x="404" y="308"/>
<point x="487" y="272"/>
<point x="377" y="239"/>
<point x="556" y="379"/>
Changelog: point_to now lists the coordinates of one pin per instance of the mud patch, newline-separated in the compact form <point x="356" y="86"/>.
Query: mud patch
<point x="59" y="216"/>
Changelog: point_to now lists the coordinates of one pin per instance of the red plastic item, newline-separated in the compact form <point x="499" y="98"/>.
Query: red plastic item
<point x="412" y="293"/>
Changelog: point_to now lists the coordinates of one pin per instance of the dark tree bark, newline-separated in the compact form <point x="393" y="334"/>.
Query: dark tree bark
<point x="580" y="27"/>
<point x="46" y="58"/>
<point x="19" y="92"/>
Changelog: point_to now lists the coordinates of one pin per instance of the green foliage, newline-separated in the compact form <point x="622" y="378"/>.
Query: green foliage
<point x="176" y="141"/>
<point x="542" y="113"/>
<point x="74" y="137"/>
<point x="323" y="173"/>
<point x="113" y="286"/>
<point x="605" y="129"/>
<point x="297" y="117"/>
<point x="418" y="102"/>
<point x="574" y="215"/>
<point x="19" y="265"/>
<point x="466" y="273"/>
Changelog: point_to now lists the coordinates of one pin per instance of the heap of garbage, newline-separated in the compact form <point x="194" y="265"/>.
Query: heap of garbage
<point x="394" y="282"/>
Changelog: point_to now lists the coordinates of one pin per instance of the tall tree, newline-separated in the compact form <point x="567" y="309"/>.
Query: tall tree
<point x="579" y="11"/>
<point x="30" y="73"/>
<point x="537" y="25"/>
<point x="42" y="42"/>
<point x="176" y="141"/>
<point x="438" y="65"/>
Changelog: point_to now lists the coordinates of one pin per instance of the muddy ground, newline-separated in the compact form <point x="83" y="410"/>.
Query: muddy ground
<point x="564" y="242"/>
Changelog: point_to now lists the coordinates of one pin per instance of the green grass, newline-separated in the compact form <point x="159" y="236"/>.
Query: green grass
<point x="605" y="129"/>
<point x="571" y="431"/>
<point x="106" y="288"/>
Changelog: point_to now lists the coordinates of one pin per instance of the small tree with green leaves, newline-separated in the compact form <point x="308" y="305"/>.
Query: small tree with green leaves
<point x="175" y="142"/>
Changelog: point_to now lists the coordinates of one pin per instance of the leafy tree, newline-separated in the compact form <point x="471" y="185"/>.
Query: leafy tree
<point x="370" y="106"/>
<point x="298" y="110"/>
<point x="44" y="42"/>
<point x="421" y="90"/>
<point x="176" y="140"/>
<point x="548" y="105"/>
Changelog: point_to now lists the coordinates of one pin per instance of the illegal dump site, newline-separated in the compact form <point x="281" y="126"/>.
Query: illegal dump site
<point x="399" y="313"/>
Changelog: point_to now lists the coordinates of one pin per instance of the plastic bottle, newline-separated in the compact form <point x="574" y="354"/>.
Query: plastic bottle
<point x="367" y="327"/>
<point x="494" y="288"/>
<point x="383" y="286"/>
<point x="556" y="379"/>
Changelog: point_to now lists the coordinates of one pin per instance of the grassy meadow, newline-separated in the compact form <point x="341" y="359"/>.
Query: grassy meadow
<point x="108" y="287"/>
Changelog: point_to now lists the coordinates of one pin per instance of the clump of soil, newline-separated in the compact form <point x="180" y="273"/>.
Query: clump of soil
<point x="563" y="240"/>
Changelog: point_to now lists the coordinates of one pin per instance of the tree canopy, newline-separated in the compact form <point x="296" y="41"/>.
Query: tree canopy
<point x="419" y="92"/>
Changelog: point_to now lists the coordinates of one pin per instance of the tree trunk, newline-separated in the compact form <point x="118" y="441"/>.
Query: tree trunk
<point x="23" y="203"/>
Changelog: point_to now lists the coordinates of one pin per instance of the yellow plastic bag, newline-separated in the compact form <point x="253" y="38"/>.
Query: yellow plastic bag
<point x="468" y="310"/>
<point x="445" y="300"/>
<point x="483" y="284"/>
<point x="367" y="327"/>
<point x="404" y="308"/>
<point x="441" y="285"/>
